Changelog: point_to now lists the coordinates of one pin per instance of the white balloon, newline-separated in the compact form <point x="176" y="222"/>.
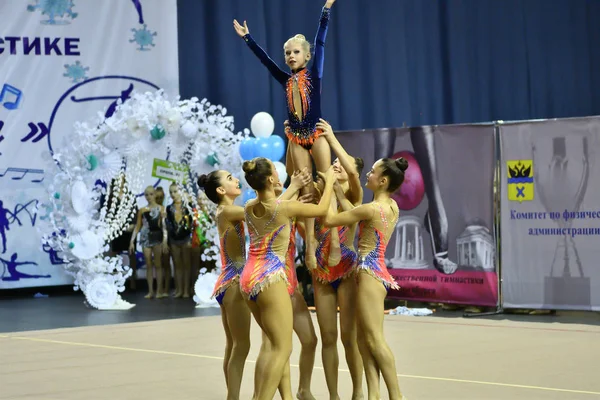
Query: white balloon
<point x="262" y="125"/>
<point x="280" y="167"/>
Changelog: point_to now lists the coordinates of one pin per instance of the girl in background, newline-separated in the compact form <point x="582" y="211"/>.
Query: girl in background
<point x="153" y="239"/>
<point x="179" y="228"/>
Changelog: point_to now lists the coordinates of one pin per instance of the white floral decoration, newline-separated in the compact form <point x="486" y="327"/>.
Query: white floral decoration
<point x="79" y="230"/>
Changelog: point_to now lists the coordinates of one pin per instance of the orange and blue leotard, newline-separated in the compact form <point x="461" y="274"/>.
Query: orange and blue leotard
<point x="269" y="247"/>
<point x="302" y="123"/>
<point x="233" y="256"/>
<point x="290" y="262"/>
<point x="325" y="273"/>
<point x="373" y="238"/>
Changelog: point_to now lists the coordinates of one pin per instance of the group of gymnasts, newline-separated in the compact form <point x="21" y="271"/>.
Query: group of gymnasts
<point x="325" y="211"/>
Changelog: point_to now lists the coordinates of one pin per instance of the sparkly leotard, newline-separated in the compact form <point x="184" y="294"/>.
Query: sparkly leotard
<point x="303" y="88"/>
<point x="233" y="255"/>
<point x="179" y="232"/>
<point x="151" y="233"/>
<point x="290" y="262"/>
<point x="269" y="246"/>
<point x="373" y="238"/>
<point x="334" y="275"/>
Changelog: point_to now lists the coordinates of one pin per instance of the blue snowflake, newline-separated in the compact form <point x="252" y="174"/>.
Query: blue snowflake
<point x="143" y="37"/>
<point x="54" y="9"/>
<point x="76" y="72"/>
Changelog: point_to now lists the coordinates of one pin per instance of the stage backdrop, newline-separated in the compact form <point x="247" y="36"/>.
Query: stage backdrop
<point x="62" y="62"/>
<point x="445" y="206"/>
<point x="550" y="214"/>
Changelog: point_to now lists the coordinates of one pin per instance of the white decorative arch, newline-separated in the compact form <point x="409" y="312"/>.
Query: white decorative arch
<point x="79" y="229"/>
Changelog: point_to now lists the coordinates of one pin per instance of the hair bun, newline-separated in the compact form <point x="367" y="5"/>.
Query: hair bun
<point x="402" y="164"/>
<point x="299" y="37"/>
<point x="202" y="180"/>
<point x="249" y="166"/>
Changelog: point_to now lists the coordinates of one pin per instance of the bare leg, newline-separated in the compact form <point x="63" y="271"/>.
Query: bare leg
<point x="273" y="308"/>
<point x="133" y="266"/>
<point x="177" y="254"/>
<point x="228" y="345"/>
<point x="346" y="296"/>
<point x="196" y="253"/>
<point x="436" y="221"/>
<point x="157" y="252"/>
<point x="149" y="271"/>
<point x="321" y="153"/>
<point x="326" y="305"/>
<point x="186" y="263"/>
<point x="304" y="328"/>
<point x="166" y="262"/>
<point x="370" y="297"/>
<point x="237" y="321"/>
<point x="371" y="370"/>
<point x="301" y="158"/>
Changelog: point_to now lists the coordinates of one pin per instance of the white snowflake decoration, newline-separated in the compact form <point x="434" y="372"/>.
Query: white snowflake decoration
<point x="79" y="230"/>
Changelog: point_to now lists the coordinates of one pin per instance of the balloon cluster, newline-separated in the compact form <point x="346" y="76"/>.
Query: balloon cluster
<point x="263" y="144"/>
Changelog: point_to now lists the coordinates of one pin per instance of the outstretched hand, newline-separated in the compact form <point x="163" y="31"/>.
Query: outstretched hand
<point x="329" y="3"/>
<point x="239" y="29"/>
<point x="324" y="127"/>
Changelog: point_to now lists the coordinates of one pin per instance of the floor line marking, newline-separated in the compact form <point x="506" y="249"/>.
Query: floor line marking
<point x="433" y="378"/>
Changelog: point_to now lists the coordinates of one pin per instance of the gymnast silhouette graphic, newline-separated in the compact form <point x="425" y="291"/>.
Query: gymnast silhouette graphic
<point x="11" y="265"/>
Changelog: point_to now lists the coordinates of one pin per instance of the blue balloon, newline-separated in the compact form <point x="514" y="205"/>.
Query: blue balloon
<point x="262" y="148"/>
<point x="247" y="148"/>
<point x="277" y="146"/>
<point x="249" y="194"/>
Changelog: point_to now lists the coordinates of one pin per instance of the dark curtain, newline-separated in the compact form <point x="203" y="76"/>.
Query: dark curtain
<point x="395" y="62"/>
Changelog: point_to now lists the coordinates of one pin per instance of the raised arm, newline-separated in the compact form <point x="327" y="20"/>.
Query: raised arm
<point x="262" y="55"/>
<point x="297" y="182"/>
<point x="347" y="218"/>
<point x="232" y="213"/>
<point x="344" y="203"/>
<point x="303" y="210"/>
<point x="319" y="44"/>
<point x="347" y="161"/>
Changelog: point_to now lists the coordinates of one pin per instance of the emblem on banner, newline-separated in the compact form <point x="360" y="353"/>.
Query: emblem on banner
<point x="520" y="180"/>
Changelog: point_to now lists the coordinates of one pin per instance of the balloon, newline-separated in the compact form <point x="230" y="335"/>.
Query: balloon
<point x="247" y="148"/>
<point x="262" y="148"/>
<point x="280" y="167"/>
<point x="249" y="194"/>
<point x="262" y="125"/>
<point x="277" y="146"/>
<point x="410" y="194"/>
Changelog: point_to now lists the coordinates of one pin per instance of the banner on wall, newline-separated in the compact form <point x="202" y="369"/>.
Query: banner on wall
<point x="550" y="226"/>
<point x="63" y="62"/>
<point x="443" y="247"/>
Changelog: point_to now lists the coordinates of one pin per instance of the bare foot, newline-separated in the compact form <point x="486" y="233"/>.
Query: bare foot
<point x="305" y="395"/>
<point x="186" y="295"/>
<point x="177" y="295"/>
<point x="162" y="295"/>
<point x="149" y="295"/>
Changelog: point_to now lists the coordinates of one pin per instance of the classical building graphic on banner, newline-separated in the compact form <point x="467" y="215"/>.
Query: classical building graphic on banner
<point x="408" y="246"/>
<point x="475" y="247"/>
